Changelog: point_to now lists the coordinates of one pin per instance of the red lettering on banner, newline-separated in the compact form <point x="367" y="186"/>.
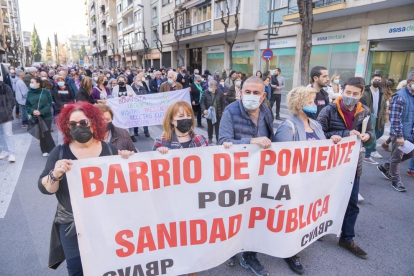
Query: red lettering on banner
<point x="183" y="233"/>
<point x="343" y="147"/>
<point x="347" y="159"/>
<point x="267" y="158"/>
<point x="145" y="240"/>
<point x="234" y="225"/>
<point x="321" y="158"/>
<point x="325" y="205"/>
<point x="164" y="235"/>
<point x="115" y="170"/>
<point x="142" y="175"/>
<point x="88" y="181"/>
<point x="158" y="173"/>
<point x="292" y="220"/>
<point x="256" y="213"/>
<point x="187" y="169"/>
<point x="177" y="172"/>
<point x="218" y="231"/>
<point x="129" y="246"/>
<point x="312" y="164"/>
<point x="300" y="160"/>
<point x="334" y="156"/>
<point x="202" y="225"/>
<point x="220" y="175"/>
<point x="315" y="215"/>
<point x="238" y="165"/>
<point x="279" y="223"/>
<point x="284" y="161"/>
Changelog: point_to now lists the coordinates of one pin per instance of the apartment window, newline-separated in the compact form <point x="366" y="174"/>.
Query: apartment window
<point x="138" y="16"/>
<point x="166" y="2"/>
<point x="119" y="8"/>
<point x="120" y="26"/>
<point x="167" y="27"/>
<point x="154" y="34"/>
<point x="120" y="42"/>
<point x="278" y="4"/>
<point x="201" y="14"/>
<point x="222" y="6"/>
<point x="154" y="12"/>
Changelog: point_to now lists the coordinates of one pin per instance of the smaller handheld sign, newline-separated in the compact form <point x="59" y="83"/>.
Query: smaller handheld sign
<point x="267" y="54"/>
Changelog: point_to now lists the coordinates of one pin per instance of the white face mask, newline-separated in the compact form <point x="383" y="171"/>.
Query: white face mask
<point x="238" y="83"/>
<point x="108" y="75"/>
<point x="139" y="83"/>
<point x="222" y="83"/>
<point x="412" y="86"/>
<point x="43" y="78"/>
<point x="95" y="78"/>
<point x="251" y="102"/>
<point x="336" y="81"/>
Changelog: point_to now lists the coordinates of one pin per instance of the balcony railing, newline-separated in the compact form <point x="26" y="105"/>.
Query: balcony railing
<point x="4" y="3"/>
<point x="293" y="6"/>
<point x="92" y="13"/>
<point x="179" y="2"/>
<point x="6" y="20"/>
<point x="129" y="7"/>
<point x="93" y="25"/>
<point x="127" y="28"/>
<point x="93" y="37"/>
<point x="195" y="29"/>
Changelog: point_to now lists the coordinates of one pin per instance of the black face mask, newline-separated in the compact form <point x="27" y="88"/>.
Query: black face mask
<point x="121" y="83"/>
<point x="81" y="134"/>
<point x="376" y="84"/>
<point x="109" y="126"/>
<point x="105" y="83"/>
<point x="184" y="125"/>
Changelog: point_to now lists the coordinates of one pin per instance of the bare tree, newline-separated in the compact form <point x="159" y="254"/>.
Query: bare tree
<point x="130" y="48"/>
<point x="158" y="41"/>
<point x="306" y="20"/>
<point x="177" y="36"/>
<point x="123" y="52"/>
<point x="112" y="46"/>
<point x="146" y="46"/>
<point x="226" y="20"/>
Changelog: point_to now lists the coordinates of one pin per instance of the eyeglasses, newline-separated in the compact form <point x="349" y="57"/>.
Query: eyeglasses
<point x="82" y="123"/>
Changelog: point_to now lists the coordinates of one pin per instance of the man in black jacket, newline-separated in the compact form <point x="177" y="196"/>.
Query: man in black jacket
<point x="274" y="83"/>
<point x="183" y="78"/>
<point x="155" y="83"/>
<point x="320" y="79"/>
<point x="6" y="118"/>
<point x="343" y="118"/>
<point x="131" y="76"/>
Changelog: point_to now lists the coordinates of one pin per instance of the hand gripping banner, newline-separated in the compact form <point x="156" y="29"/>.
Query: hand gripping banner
<point x="192" y="209"/>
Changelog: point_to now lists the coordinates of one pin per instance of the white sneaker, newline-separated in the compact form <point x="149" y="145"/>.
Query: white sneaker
<point x="12" y="158"/>
<point x="360" y="198"/>
<point x="375" y="154"/>
<point x="45" y="154"/>
<point x="362" y="149"/>
<point x="3" y="155"/>
<point x="370" y="161"/>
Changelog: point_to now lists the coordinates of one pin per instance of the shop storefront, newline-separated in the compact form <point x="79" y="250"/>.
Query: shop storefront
<point x="337" y="51"/>
<point x="284" y="50"/>
<point x="215" y="58"/>
<point x="391" y="50"/>
<point x="243" y="57"/>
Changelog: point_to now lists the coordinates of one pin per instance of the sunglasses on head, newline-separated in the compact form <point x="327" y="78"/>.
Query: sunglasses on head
<point x="82" y="123"/>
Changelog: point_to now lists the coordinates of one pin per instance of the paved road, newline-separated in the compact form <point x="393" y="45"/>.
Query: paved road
<point x="384" y="227"/>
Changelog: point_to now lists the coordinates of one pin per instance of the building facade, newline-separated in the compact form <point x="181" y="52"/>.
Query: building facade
<point x="75" y="45"/>
<point x="350" y="38"/>
<point x="11" y="41"/>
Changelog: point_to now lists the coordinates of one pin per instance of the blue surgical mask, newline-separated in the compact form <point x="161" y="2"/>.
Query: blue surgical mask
<point x="310" y="111"/>
<point x="33" y="86"/>
<point x="170" y="81"/>
<point x="61" y="83"/>
<point x="210" y="90"/>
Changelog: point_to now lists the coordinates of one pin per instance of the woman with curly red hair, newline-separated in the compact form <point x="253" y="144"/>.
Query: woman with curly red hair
<point x="84" y="129"/>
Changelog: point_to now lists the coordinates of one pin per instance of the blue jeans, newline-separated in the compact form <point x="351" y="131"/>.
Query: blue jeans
<point x="71" y="249"/>
<point x="351" y="214"/>
<point x="378" y="134"/>
<point x="24" y="115"/>
<point x="145" y="129"/>
<point x="411" y="166"/>
<point x="6" y="138"/>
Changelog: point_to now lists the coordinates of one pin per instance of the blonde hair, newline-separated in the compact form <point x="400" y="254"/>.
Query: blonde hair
<point x="169" y="116"/>
<point x="100" y="80"/>
<point x="335" y="86"/>
<point x="298" y="97"/>
<point x="86" y="83"/>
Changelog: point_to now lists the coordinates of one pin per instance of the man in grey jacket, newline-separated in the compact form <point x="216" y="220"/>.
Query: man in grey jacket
<point x="21" y="95"/>
<point x="277" y="83"/>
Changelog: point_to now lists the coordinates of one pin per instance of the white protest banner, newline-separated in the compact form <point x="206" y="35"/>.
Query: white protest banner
<point x="145" y="110"/>
<point x="192" y="209"/>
